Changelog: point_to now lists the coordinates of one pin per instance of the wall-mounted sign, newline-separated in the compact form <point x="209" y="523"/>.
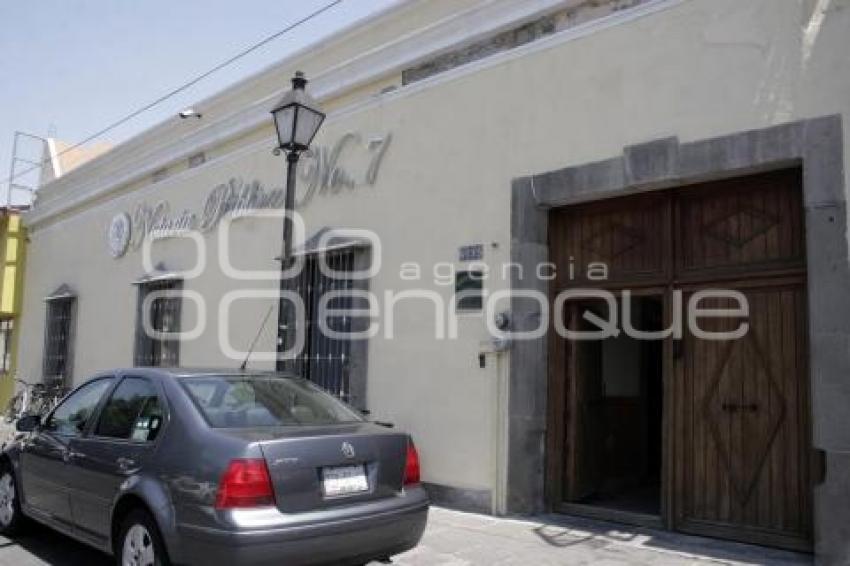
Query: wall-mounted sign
<point x="349" y="163"/>
<point x="472" y="252"/>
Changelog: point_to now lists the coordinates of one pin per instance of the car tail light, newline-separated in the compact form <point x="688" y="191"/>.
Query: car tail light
<point x="246" y="483"/>
<point x="411" y="466"/>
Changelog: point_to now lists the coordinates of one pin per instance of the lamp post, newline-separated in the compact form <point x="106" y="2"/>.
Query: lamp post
<point x="297" y="118"/>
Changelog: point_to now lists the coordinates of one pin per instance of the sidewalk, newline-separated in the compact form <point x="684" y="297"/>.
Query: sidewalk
<point x="461" y="539"/>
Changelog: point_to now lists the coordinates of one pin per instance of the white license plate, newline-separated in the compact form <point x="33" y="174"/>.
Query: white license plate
<point x="344" y="480"/>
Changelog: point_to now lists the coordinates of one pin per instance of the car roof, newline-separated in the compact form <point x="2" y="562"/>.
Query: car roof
<point x="176" y="372"/>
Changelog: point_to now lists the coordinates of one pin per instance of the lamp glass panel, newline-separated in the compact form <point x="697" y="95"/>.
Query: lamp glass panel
<point x="283" y="118"/>
<point x="308" y="124"/>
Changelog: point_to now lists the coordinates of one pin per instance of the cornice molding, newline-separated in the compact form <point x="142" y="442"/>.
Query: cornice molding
<point x="130" y="163"/>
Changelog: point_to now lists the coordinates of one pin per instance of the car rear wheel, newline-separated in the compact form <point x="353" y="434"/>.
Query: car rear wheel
<point x="140" y="543"/>
<point x="11" y="517"/>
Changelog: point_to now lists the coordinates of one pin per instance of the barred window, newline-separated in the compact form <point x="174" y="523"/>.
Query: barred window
<point x="57" y="339"/>
<point x="324" y="360"/>
<point x="7" y="327"/>
<point x="164" y="317"/>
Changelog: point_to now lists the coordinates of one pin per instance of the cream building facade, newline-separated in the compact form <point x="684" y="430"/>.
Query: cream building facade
<point x="460" y="127"/>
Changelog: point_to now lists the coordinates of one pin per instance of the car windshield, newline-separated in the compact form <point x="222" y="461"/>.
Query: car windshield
<point x="264" y="401"/>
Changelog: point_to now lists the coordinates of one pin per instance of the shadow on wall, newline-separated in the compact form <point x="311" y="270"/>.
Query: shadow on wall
<point x="787" y="66"/>
<point x="785" y="63"/>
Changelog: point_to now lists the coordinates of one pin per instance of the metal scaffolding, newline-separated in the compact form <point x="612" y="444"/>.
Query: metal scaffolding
<point x="26" y="165"/>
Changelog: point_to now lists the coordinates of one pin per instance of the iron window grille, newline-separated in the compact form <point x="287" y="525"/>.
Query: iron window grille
<point x="57" y="340"/>
<point x="164" y="316"/>
<point x="324" y="360"/>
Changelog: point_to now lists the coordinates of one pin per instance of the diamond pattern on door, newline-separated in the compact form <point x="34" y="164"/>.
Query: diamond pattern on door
<point x="613" y="240"/>
<point x="749" y="401"/>
<point x="744" y="439"/>
<point x="741" y="227"/>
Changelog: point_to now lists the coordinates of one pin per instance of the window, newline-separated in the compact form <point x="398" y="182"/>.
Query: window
<point x="163" y="317"/>
<point x="325" y="361"/>
<point x="469" y="287"/>
<point x="57" y="339"/>
<point x="71" y="417"/>
<point x="7" y="328"/>
<point x="197" y="159"/>
<point x="264" y="401"/>
<point x="134" y="412"/>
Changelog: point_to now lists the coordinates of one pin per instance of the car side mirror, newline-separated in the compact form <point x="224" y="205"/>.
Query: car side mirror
<point x="28" y="423"/>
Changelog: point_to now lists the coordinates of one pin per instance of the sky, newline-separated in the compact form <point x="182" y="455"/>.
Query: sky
<point x="68" y="68"/>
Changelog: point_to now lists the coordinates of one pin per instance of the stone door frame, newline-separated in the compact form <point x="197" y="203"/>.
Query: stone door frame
<point x="815" y="145"/>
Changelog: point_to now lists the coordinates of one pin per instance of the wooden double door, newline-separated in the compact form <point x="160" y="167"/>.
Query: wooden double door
<point x="736" y="459"/>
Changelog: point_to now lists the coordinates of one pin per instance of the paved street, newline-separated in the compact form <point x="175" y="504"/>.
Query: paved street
<point x="461" y="539"/>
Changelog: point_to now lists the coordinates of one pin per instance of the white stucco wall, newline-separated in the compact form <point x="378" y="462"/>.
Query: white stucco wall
<point x="697" y="69"/>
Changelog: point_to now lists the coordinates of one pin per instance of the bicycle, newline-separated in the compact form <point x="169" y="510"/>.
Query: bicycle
<point x="19" y="403"/>
<point x="45" y="397"/>
<point x="30" y="399"/>
<point x="34" y="399"/>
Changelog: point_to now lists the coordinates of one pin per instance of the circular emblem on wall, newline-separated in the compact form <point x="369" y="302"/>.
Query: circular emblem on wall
<point x="118" y="237"/>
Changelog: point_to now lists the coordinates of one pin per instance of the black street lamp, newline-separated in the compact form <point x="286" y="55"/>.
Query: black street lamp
<point x="297" y="118"/>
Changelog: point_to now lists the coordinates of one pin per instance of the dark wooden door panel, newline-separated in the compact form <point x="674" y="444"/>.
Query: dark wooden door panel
<point x="587" y="439"/>
<point x="628" y="235"/>
<point x="743" y="424"/>
<point x="737" y="422"/>
<point x="741" y="224"/>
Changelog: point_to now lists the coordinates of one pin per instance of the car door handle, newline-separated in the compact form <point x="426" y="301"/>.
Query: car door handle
<point x="69" y="455"/>
<point x="125" y="464"/>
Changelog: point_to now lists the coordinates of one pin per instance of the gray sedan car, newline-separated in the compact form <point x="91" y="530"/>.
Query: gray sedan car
<point x="189" y="467"/>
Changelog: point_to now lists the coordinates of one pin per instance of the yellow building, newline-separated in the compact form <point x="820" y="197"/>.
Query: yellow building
<point x="12" y="245"/>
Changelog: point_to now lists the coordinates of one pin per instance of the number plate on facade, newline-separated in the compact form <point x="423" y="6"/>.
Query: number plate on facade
<point x="344" y="480"/>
